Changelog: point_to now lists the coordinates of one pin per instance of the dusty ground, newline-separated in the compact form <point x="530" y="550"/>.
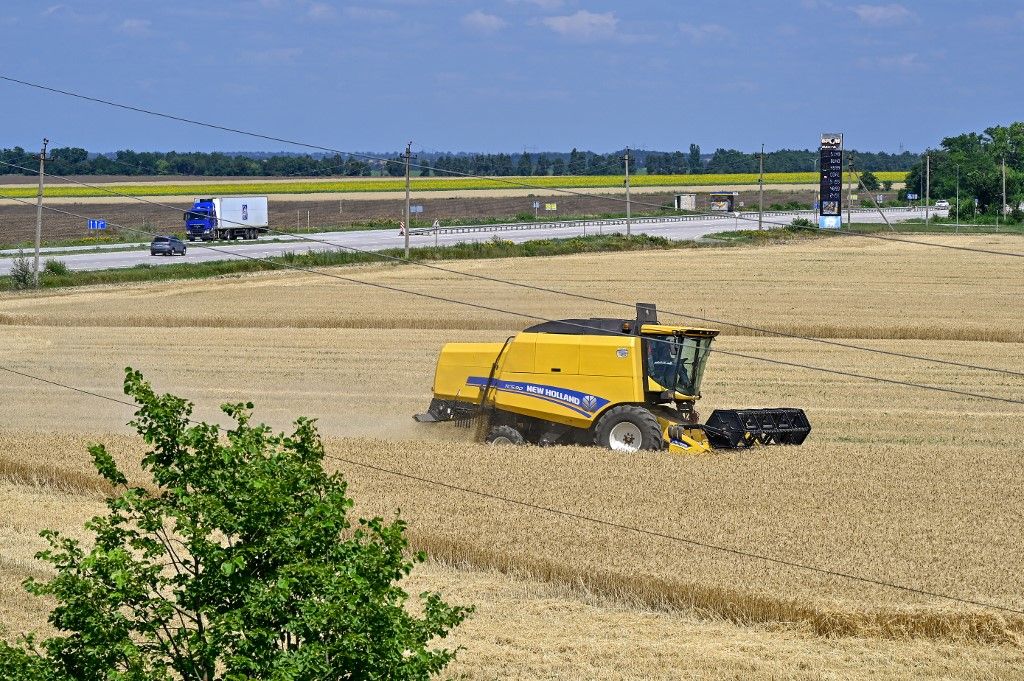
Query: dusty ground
<point x="895" y="483"/>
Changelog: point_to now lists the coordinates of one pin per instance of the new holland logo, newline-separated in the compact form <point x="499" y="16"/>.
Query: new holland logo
<point x="589" y="402"/>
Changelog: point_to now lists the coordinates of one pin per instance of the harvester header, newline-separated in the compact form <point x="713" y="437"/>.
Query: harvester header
<point x="627" y="384"/>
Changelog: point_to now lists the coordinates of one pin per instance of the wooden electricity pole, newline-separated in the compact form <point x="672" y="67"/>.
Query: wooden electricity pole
<point x="39" y="211"/>
<point x="628" y="212"/>
<point x="849" y="190"/>
<point x="760" y="192"/>
<point x="408" y="222"/>
<point x="927" y="187"/>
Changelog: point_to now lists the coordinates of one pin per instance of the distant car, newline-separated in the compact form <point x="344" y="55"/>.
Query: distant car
<point x="166" y="245"/>
<point x="942" y="203"/>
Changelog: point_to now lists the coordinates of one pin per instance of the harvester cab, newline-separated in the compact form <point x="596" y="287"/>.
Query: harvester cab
<point x="626" y="384"/>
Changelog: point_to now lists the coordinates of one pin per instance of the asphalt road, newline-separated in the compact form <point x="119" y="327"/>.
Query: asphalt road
<point x="375" y="240"/>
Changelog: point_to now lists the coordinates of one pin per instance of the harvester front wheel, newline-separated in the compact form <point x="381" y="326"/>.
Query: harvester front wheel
<point x="504" y="435"/>
<point x="628" y="428"/>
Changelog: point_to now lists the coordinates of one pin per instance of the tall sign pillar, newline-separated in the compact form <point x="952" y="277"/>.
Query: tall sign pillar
<point x="831" y="213"/>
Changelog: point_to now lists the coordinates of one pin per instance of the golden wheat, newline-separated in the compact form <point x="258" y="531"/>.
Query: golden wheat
<point x="895" y="483"/>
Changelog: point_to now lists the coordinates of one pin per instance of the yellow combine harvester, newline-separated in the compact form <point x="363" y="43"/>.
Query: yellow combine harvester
<point x="627" y="384"/>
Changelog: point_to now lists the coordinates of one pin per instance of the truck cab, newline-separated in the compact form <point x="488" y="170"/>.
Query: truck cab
<point x="201" y="220"/>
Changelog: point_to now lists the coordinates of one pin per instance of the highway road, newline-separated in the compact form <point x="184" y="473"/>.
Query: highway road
<point x="685" y="227"/>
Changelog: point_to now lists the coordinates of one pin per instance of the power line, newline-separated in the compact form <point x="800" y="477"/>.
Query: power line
<point x="592" y="519"/>
<point x="526" y="315"/>
<point x="515" y="183"/>
<point x="580" y="296"/>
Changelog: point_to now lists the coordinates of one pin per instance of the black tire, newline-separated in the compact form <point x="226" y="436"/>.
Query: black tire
<point x="645" y="427"/>
<point x="504" y="435"/>
<point x="184" y="250"/>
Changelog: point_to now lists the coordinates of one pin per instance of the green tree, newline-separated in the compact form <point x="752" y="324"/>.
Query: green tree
<point x="869" y="181"/>
<point x="238" y="563"/>
<point x="577" y="162"/>
<point x="525" y="164"/>
<point x="693" y="160"/>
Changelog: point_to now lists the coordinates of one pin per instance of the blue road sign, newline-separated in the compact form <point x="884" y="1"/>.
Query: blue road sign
<point x="415" y="209"/>
<point x="911" y="197"/>
<point x="536" y="204"/>
<point x="97" y="224"/>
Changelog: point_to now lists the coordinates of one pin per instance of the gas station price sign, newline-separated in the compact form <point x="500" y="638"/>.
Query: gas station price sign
<point x="831" y="180"/>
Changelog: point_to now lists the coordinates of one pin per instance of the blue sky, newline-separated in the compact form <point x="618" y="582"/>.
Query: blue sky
<point x="509" y="75"/>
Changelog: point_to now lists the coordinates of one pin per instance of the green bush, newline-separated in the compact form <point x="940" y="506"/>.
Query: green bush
<point x="21" y="276"/>
<point x="57" y="268"/>
<point x="237" y="561"/>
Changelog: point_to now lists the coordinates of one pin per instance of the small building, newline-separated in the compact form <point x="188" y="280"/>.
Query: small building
<point x="725" y="202"/>
<point x="686" y="202"/>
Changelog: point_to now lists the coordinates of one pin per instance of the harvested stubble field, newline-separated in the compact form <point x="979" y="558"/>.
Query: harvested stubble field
<point x="895" y="483"/>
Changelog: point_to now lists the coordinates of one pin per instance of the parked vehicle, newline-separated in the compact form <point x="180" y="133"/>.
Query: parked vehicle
<point x="942" y="203"/>
<point x="166" y="245"/>
<point x="232" y="217"/>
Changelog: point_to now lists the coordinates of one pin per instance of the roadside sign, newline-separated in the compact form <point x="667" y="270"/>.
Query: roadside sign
<point x="831" y="180"/>
<point x="912" y="197"/>
<point x="536" y="205"/>
<point x="415" y="209"/>
<point x="97" y="224"/>
<point x="880" y="198"/>
<point x="550" y="206"/>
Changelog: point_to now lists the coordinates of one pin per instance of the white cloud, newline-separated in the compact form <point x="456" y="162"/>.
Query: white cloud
<point x="320" y="10"/>
<point x="482" y="22"/>
<point x="274" y="55"/>
<point x="135" y="27"/>
<point x="878" y="15"/>
<point x="583" y="25"/>
<point x="906" y="63"/>
<point x="370" y="14"/>
<point x="702" y="32"/>
<point x="543" y="4"/>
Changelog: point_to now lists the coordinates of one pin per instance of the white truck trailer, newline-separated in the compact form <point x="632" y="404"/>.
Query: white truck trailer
<point x="230" y="217"/>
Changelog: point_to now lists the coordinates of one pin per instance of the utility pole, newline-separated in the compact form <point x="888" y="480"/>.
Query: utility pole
<point x="958" y="198"/>
<point x="408" y="222"/>
<point x="849" y="190"/>
<point x="927" y="187"/>
<point x="760" y="192"/>
<point x="628" y="212"/>
<point x="1002" y="208"/>
<point x="39" y="211"/>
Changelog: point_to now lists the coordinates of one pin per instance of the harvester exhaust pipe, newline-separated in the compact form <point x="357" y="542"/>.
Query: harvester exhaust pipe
<point x="646" y="313"/>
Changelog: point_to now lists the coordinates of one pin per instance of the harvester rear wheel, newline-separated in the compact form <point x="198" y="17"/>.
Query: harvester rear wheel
<point x="504" y="435"/>
<point x="628" y="428"/>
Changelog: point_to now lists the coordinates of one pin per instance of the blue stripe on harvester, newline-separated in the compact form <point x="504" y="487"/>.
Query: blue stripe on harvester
<point x="579" y="402"/>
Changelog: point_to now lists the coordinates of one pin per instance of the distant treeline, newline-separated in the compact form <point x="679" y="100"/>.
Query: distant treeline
<point x="76" y="161"/>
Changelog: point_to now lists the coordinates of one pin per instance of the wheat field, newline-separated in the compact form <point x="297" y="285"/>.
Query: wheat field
<point x="895" y="483"/>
